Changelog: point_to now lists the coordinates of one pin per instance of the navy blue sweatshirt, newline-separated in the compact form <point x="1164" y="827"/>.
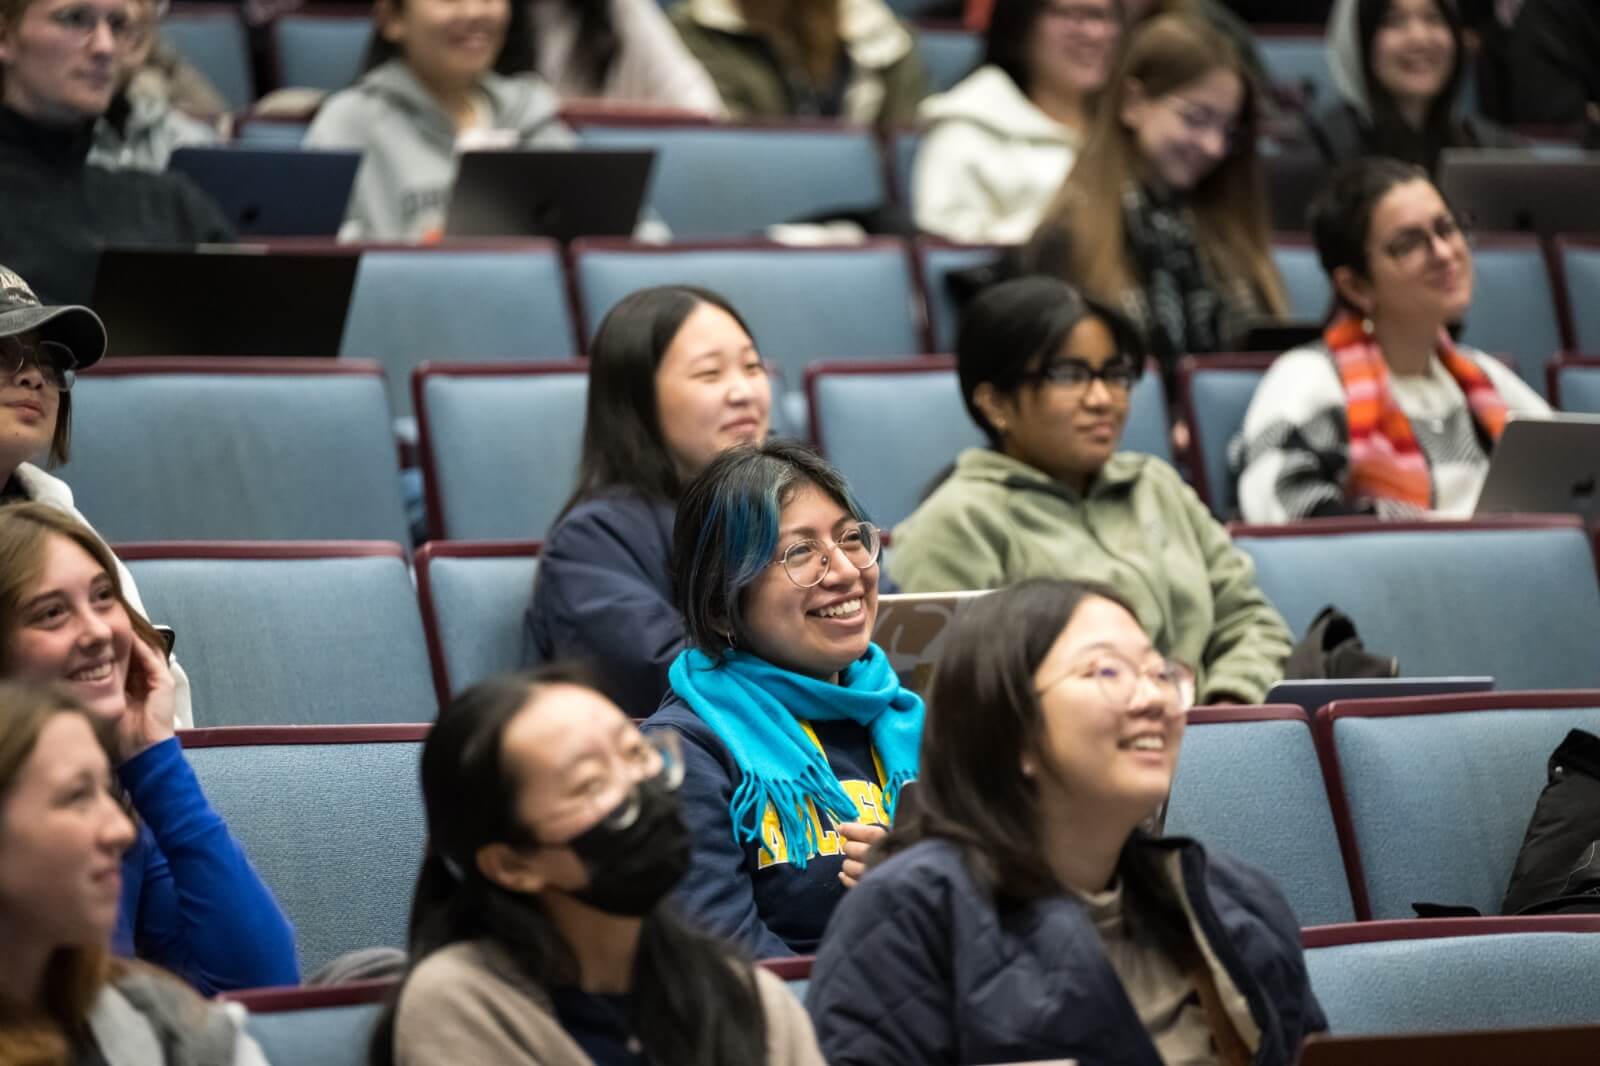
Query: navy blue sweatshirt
<point x="604" y="594"/>
<point x="191" y="902"/>
<point x="748" y="893"/>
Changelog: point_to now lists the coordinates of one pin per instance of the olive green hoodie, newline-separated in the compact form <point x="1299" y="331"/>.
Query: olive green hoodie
<point x="1140" y="530"/>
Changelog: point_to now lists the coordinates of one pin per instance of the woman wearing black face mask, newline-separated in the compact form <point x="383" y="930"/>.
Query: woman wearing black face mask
<point x="537" y="934"/>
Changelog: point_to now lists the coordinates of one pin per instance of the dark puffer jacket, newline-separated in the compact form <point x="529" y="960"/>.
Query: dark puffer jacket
<point x="919" y="966"/>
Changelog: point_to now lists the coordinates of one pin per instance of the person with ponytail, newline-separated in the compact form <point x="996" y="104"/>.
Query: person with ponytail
<point x="797" y="735"/>
<point x="64" y="1000"/>
<point x="538" y="933"/>
<point x="1022" y="913"/>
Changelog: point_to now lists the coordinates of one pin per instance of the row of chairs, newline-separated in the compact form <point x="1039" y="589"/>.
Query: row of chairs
<point x="335" y="633"/>
<point x="245" y="444"/>
<point x="325" y="51"/>
<point x="1381" y="805"/>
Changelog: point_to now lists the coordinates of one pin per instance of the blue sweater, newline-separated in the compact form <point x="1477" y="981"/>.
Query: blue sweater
<point x="604" y="594"/>
<point x="921" y="966"/>
<point x="752" y="894"/>
<point x="191" y="902"/>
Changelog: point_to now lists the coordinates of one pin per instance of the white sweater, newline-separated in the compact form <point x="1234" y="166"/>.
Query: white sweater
<point x="652" y="65"/>
<point x="990" y="162"/>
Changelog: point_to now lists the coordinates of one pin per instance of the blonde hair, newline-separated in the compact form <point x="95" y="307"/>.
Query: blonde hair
<point x="25" y="530"/>
<point x="1167" y="53"/>
<point x="44" y="1035"/>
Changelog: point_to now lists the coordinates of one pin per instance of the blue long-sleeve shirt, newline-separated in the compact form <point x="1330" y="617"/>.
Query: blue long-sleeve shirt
<point x="191" y="901"/>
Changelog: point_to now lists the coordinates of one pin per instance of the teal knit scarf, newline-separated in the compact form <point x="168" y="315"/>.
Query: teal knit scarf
<point x="754" y="707"/>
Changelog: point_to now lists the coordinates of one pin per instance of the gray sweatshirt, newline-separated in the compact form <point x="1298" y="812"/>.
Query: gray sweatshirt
<point x="403" y="186"/>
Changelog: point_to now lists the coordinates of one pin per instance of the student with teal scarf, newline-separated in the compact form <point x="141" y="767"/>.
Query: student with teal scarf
<point x="797" y="736"/>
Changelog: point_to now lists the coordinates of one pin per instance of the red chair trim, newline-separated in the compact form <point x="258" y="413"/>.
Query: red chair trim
<point x="258" y="549"/>
<point x="253" y="735"/>
<point x="795" y="969"/>
<point x="1326" y="936"/>
<point x="461" y="549"/>
<point x="1313" y="527"/>
<point x="276" y="1000"/>
<point x="1271" y="712"/>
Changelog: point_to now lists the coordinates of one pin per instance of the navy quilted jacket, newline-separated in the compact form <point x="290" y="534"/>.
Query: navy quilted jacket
<point x="919" y="966"/>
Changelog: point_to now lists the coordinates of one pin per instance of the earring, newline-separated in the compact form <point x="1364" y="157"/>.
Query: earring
<point x="1367" y="326"/>
<point x="999" y="425"/>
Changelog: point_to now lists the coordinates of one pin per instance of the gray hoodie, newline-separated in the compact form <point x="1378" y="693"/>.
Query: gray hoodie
<point x="403" y="186"/>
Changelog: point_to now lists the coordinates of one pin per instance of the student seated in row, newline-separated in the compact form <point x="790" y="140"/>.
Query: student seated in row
<point x="797" y="735"/>
<point x="539" y="931"/>
<point x="1387" y="415"/>
<point x="1047" y="376"/>
<point x="64" y="831"/>
<point x="1021" y="913"/>
<point x="674" y="380"/>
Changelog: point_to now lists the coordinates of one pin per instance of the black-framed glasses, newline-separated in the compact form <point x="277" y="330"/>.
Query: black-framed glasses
<point x="81" y="20"/>
<point x="1119" y="375"/>
<point x="55" y="361"/>
<point x="1119" y="678"/>
<point x="1407" y="243"/>
<point x="807" y="561"/>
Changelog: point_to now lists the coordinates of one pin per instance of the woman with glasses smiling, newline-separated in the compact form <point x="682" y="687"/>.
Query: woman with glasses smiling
<point x="797" y="735"/>
<point x="1022" y="913"/>
<point x="1386" y="415"/>
<point x="538" y="932"/>
<point x="1046" y="375"/>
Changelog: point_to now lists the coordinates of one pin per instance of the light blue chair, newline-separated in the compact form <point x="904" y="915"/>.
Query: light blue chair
<point x="1301" y="63"/>
<point x="802" y="304"/>
<point x="500" y="446"/>
<point x="213" y="39"/>
<point x="1436" y="792"/>
<point x="1513" y="305"/>
<point x="473" y="600"/>
<point x="735" y="181"/>
<point x="1249" y="786"/>
<point x="1575" y="384"/>
<point x="1454" y="975"/>
<point x="236" y="449"/>
<point x="1515" y="598"/>
<point x="316" y="1036"/>
<point x="936" y="260"/>
<point x="269" y="133"/>
<point x="903" y="147"/>
<point x="320" y="51"/>
<point x="458" y="303"/>
<point x="1217" y="390"/>
<point x="948" y="54"/>
<point x="1580" y="264"/>
<point x="1309" y="292"/>
<point x="291" y="634"/>
<point x="332" y="820"/>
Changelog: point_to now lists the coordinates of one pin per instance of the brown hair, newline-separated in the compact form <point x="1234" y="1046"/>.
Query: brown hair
<point x="74" y="975"/>
<point x="1166" y="54"/>
<point x="25" y="529"/>
<point x="805" y="31"/>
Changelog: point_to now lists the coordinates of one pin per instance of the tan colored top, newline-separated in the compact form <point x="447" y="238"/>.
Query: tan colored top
<point x="468" y="1003"/>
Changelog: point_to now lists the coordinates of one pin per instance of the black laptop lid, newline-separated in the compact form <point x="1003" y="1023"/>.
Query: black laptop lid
<point x="1518" y="190"/>
<point x="223" y="301"/>
<point x="271" y="192"/>
<point x="561" y="193"/>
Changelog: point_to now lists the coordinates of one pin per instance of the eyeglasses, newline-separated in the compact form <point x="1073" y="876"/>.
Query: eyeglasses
<point x="1118" y="679"/>
<point x="1081" y="16"/>
<point x="1407" y="244"/>
<point x="54" y="361"/>
<point x="1198" y="119"/>
<point x="613" y="800"/>
<point x="83" y="20"/>
<point x="1118" y="375"/>
<point x="807" y="561"/>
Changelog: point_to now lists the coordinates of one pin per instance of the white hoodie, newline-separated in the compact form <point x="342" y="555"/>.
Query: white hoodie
<point x="990" y="162"/>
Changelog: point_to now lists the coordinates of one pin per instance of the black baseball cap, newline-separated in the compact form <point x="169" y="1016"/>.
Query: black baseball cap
<point x="79" y="328"/>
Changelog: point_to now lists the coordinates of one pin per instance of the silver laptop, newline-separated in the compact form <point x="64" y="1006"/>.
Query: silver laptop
<point x="1548" y="466"/>
<point x="912" y="628"/>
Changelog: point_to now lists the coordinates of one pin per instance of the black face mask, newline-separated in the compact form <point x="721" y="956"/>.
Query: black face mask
<point x="631" y="868"/>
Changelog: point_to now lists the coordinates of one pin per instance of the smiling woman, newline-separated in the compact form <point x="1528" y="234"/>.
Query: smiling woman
<point x="1021" y="913"/>
<point x="797" y="735"/>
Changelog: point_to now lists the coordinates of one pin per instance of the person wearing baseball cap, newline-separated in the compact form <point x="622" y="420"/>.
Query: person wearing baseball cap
<point x="42" y="348"/>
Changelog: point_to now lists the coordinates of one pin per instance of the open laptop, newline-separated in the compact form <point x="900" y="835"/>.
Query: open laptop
<point x="561" y="193"/>
<point x="1549" y="466"/>
<point x="223" y="300"/>
<point x="1499" y="190"/>
<point x="1554" y="1046"/>
<point x="272" y="192"/>
<point x="912" y="628"/>
<point x="1312" y="694"/>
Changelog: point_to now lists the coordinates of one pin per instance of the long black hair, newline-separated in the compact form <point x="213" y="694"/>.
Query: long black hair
<point x="622" y="442"/>
<point x="1341" y="213"/>
<point x="693" y="1003"/>
<point x="597" y="46"/>
<point x="516" y="52"/>
<point x="1391" y="135"/>
<point x="982" y="717"/>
